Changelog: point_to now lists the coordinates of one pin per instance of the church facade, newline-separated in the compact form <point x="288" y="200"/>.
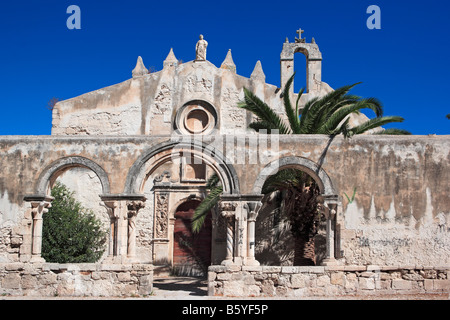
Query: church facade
<point x="139" y="153"/>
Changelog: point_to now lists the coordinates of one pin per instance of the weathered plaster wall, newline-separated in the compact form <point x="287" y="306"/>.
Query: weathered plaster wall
<point x="400" y="213"/>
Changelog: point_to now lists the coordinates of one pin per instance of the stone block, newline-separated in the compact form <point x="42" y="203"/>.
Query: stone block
<point x="288" y="269"/>
<point x="298" y="280"/>
<point x="443" y="285"/>
<point x="275" y="269"/>
<point x="252" y="268"/>
<point x="398" y="284"/>
<point x="249" y="279"/>
<point x="48" y="279"/>
<point x="337" y="278"/>
<point x="351" y="282"/>
<point x="268" y="288"/>
<point x="28" y="282"/>
<point x="355" y="268"/>
<point x="11" y="281"/>
<point x="253" y="291"/>
<point x="14" y="266"/>
<point x="428" y="284"/>
<point x="366" y="283"/>
<point x="217" y="268"/>
<point x="212" y="276"/>
<point x="224" y="276"/>
<point x="233" y="288"/>
<point x="323" y="281"/>
<point x="317" y="269"/>
<point x="124" y="276"/>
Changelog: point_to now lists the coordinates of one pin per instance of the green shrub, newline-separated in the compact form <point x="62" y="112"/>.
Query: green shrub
<point x="71" y="233"/>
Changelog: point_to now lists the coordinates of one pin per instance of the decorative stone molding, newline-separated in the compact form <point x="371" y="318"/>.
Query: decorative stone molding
<point x="161" y="214"/>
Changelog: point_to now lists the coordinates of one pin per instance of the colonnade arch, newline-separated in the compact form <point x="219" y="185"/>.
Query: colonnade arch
<point x="330" y="202"/>
<point x="123" y="208"/>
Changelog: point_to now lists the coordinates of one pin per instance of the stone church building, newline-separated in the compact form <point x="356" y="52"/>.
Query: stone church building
<point x="139" y="154"/>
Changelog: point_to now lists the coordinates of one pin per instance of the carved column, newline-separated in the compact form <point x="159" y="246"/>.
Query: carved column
<point x="122" y="210"/>
<point x="133" y="208"/>
<point x="113" y="216"/>
<point x="330" y="209"/>
<point x="253" y="208"/>
<point x="228" y="212"/>
<point x="39" y="206"/>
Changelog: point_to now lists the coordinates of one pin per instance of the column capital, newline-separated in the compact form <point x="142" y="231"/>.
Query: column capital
<point x="134" y="206"/>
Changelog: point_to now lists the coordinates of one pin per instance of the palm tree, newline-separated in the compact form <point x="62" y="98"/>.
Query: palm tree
<point x="298" y="211"/>
<point x="327" y="115"/>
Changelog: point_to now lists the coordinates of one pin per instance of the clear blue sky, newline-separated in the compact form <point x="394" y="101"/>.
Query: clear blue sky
<point x="405" y="64"/>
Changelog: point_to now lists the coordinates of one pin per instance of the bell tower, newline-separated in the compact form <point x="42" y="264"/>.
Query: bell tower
<point x="313" y="62"/>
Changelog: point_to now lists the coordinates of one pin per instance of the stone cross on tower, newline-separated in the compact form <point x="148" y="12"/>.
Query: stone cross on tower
<point x="299" y="32"/>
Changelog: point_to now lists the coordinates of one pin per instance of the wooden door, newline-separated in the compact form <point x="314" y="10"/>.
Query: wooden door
<point x="191" y="250"/>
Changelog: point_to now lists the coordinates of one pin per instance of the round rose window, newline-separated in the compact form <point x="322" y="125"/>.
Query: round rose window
<point x="196" y="121"/>
<point x="196" y="117"/>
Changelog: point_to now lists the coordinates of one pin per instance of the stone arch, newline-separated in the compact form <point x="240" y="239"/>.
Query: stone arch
<point x="62" y="164"/>
<point x="306" y="165"/>
<point x="329" y="193"/>
<point x="165" y="151"/>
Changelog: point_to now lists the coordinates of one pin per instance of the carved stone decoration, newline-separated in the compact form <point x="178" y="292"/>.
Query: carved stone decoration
<point x="165" y="174"/>
<point x="161" y="215"/>
<point x="163" y="102"/>
<point x="199" y="84"/>
<point x="228" y="208"/>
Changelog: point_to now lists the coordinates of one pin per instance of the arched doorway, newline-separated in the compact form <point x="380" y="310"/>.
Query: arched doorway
<point x="191" y="252"/>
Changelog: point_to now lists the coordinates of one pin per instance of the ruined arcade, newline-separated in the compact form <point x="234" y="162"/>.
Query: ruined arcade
<point x="139" y="153"/>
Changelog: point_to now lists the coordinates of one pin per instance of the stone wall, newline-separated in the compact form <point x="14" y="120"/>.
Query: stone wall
<point x="327" y="281"/>
<point x="84" y="279"/>
<point x="399" y="214"/>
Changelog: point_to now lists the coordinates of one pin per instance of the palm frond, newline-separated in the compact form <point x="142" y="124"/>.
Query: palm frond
<point x="333" y="121"/>
<point x="294" y="121"/>
<point x="316" y="111"/>
<point x="204" y="207"/>
<point x="374" y="123"/>
<point x="213" y="181"/>
<point x="255" y="105"/>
